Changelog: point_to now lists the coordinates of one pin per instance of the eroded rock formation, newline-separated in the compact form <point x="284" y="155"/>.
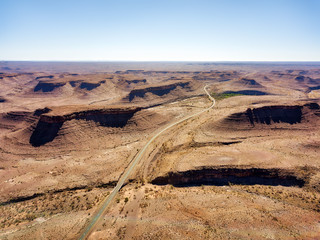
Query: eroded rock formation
<point x="89" y="86"/>
<point x="50" y="122"/>
<point x="48" y="86"/>
<point x="136" y="81"/>
<point x="158" y="90"/>
<point x="41" y="77"/>
<point x="275" y="114"/>
<point x="247" y="92"/>
<point x="248" y="83"/>
<point x="230" y="175"/>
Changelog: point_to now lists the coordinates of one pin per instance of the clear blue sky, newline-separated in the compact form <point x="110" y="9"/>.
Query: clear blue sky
<point x="160" y="30"/>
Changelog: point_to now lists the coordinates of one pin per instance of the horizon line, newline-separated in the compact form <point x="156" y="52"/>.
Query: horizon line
<point x="174" y="61"/>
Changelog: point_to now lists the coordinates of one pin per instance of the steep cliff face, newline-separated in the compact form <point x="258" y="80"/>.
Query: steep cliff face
<point x="49" y="124"/>
<point x="75" y="83"/>
<point x="250" y="83"/>
<point x="40" y="111"/>
<point x="16" y="116"/>
<point x="225" y="176"/>
<point x="313" y="106"/>
<point x="44" y="132"/>
<point x="41" y="77"/>
<point x="216" y="75"/>
<point x="15" y="121"/>
<point x="307" y="80"/>
<point x="158" y="90"/>
<point x="135" y="81"/>
<point x="314" y="88"/>
<point x="269" y="115"/>
<point x="302" y="79"/>
<point x="248" y="92"/>
<point x="89" y="86"/>
<point x="275" y="114"/>
<point x="47" y="86"/>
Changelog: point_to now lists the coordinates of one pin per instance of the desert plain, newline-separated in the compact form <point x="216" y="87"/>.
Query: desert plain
<point x="247" y="168"/>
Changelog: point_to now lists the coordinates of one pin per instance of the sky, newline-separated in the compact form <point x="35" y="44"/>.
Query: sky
<point x="160" y="30"/>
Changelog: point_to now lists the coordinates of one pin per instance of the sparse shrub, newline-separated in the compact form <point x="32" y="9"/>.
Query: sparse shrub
<point x="30" y="217"/>
<point x="89" y="206"/>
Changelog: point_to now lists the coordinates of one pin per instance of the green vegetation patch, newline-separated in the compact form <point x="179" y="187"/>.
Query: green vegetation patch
<point x="221" y="96"/>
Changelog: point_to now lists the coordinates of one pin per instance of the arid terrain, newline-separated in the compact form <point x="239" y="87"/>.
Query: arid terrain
<point x="248" y="168"/>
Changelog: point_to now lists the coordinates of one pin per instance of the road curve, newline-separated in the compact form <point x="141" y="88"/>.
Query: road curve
<point x="127" y="172"/>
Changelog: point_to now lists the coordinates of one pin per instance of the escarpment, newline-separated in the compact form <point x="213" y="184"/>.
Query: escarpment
<point x="13" y="119"/>
<point x="44" y="132"/>
<point x="247" y="92"/>
<point x="231" y="175"/>
<point x="42" y="77"/>
<point x="89" y="86"/>
<point x="127" y="82"/>
<point x="158" y="90"/>
<point x="48" y="86"/>
<point x="302" y="78"/>
<point x="251" y="83"/>
<point x="221" y="76"/>
<point x="313" y="88"/>
<point x="277" y="114"/>
<point x="50" y="122"/>
<point x="135" y="81"/>
<point x="245" y="86"/>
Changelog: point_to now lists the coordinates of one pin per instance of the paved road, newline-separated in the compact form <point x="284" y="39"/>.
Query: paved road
<point x="127" y="172"/>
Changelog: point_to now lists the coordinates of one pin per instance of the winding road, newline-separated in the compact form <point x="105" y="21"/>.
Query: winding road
<point x="127" y="172"/>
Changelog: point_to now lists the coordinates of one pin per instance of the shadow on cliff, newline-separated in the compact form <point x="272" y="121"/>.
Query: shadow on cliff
<point x="158" y="92"/>
<point x="227" y="176"/>
<point x="44" y="133"/>
<point x="47" y="131"/>
<point x="276" y="114"/>
<point x="47" y="87"/>
<point x="247" y="92"/>
<point x="299" y="116"/>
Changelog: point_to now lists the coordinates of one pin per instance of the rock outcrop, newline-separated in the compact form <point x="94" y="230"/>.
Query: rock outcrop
<point x="308" y="80"/>
<point x="48" y="86"/>
<point x="300" y="78"/>
<point x="231" y="175"/>
<point x="247" y="92"/>
<point x="314" y="88"/>
<point x="41" y="77"/>
<point x="275" y="114"/>
<point x="50" y="122"/>
<point x="135" y="81"/>
<point x="158" y="90"/>
<point x="216" y="76"/>
<point x="89" y="86"/>
<point x="250" y="83"/>
<point x="270" y="115"/>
